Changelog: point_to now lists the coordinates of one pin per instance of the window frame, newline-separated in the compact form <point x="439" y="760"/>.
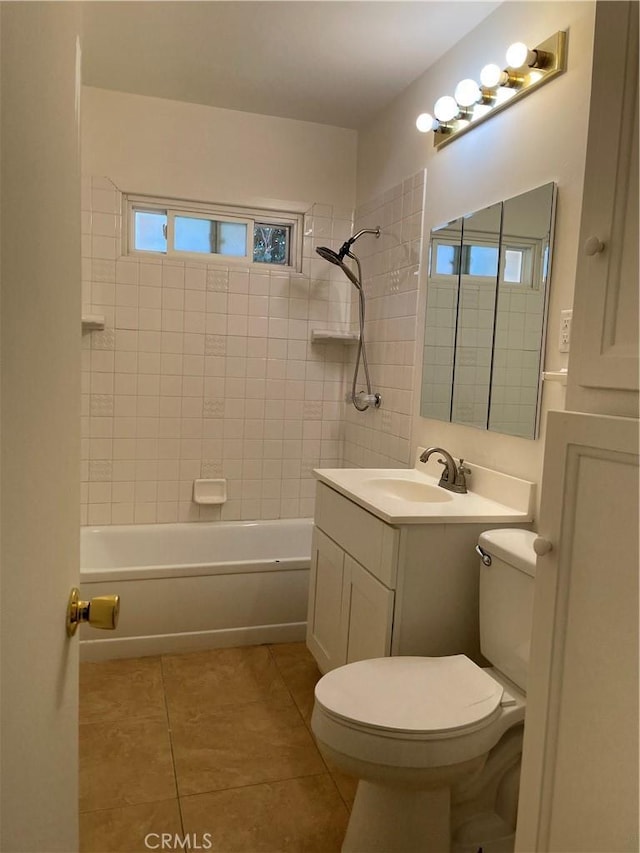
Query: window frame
<point x="226" y="213"/>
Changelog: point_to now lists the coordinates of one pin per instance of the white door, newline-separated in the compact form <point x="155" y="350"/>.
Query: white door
<point x="579" y="787"/>
<point x="40" y="406"/>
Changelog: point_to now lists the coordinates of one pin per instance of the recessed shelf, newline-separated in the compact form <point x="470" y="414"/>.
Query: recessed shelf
<point x="92" y="322"/>
<point x="322" y="336"/>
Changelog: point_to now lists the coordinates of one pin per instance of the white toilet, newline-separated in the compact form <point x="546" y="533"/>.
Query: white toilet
<point x="433" y="740"/>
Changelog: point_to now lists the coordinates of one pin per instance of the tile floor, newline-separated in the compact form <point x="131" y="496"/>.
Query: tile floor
<point x="213" y="742"/>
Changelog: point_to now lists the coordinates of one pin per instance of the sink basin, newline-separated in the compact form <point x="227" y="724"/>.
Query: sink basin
<point x="408" y="490"/>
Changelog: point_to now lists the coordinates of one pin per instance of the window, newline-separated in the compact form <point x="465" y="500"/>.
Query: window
<point x="519" y="259"/>
<point x="181" y="229"/>
<point x="477" y="257"/>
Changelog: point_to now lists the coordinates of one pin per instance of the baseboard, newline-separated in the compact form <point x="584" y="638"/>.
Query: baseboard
<point x="170" y="644"/>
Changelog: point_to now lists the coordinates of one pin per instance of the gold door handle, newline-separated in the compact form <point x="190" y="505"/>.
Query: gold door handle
<point x="101" y="612"/>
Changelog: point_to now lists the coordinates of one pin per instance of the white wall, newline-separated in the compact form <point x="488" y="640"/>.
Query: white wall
<point x="541" y="139"/>
<point x="162" y="147"/>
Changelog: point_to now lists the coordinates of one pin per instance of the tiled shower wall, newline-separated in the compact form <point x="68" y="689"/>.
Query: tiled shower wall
<point x="381" y="438"/>
<point x="204" y="370"/>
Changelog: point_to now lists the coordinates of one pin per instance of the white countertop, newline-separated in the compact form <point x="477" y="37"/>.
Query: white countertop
<point x="492" y="496"/>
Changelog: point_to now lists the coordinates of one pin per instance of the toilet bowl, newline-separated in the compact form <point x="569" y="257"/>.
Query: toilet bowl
<point x="414" y="729"/>
<point x="409" y="728"/>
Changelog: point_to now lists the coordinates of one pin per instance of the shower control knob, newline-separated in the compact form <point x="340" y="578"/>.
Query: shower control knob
<point x="101" y="612"/>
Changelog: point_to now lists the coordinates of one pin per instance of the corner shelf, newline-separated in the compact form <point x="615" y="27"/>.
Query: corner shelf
<point x="325" y="336"/>
<point x="92" y="322"/>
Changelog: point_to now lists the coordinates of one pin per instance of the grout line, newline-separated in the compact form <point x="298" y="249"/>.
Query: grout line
<point x="128" y="805"/>
<point x="256" y="784"/>
<point x="173" y="758"/>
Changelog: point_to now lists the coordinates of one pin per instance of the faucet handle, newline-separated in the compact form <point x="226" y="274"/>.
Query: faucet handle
<point x="445" y="473"/>
<point x="462" y="468"/>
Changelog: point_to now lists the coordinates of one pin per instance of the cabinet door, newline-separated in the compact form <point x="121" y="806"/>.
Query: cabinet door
<point x="603" y="365"/>
<point x="369" y="608"/>
<point x="326" y="629"/>
<point x="579" y="785"/>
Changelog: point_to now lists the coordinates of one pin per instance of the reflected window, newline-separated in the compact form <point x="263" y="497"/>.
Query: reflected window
<point x="447" y="259"/>
<point x="480" y="261"/>
<point x="518" y="262"/>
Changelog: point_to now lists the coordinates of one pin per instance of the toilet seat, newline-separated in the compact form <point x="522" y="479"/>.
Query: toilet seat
<point x="411" y="696"/>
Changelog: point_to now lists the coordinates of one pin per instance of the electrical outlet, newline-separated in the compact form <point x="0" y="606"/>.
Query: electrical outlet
<point x="565" y="330"/>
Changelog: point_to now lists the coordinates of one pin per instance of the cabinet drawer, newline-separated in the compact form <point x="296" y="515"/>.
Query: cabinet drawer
<point x="370" y="541"/>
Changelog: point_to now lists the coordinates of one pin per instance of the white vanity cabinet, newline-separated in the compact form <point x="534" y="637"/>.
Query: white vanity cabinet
<point x="350" y="611"/>
<point x="377" y="589"/>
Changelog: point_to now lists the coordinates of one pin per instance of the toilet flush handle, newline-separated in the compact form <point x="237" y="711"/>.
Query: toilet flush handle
<point x="486" y="558"/>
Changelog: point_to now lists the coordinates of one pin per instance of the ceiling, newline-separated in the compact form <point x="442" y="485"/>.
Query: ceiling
<point x="324" y="61"/>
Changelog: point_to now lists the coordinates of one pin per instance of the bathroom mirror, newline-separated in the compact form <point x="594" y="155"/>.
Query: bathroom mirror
<point x="486" y="305"/>
<point x="478" y="285"/>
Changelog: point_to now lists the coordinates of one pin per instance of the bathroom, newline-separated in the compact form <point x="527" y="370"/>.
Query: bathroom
<point x="207" y="372"/>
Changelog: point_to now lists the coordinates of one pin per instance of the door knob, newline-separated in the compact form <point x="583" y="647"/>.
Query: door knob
<point x="101" y="612"/>
<point x="542" y="546"/>
<point x="593" y="246"/>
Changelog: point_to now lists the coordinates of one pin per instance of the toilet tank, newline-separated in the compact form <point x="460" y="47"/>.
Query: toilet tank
<point x="506" y="600"/>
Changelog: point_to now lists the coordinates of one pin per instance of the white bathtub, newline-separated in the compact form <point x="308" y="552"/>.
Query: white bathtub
<point x="185" y="587"/>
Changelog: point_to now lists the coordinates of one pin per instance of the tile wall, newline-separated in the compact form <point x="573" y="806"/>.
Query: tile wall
<point x="204" y="370"/>
<point x="516" y="369"/>
<point x="381" y="438"/>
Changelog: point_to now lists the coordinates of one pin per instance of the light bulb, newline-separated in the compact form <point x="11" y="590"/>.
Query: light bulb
<point x="467" y="92"/>
<point x="492" y="76"/>
<point x="518" y="54"/>
<point x="426" y="122"/>
<point x="445" y="108"/>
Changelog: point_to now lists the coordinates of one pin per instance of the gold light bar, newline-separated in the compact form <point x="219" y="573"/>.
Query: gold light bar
<point x="519" y="82"/>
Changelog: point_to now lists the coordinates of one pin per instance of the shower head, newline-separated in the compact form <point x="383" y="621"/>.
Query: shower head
<point x="329" y="255"/>
<point x="337" y="257"/>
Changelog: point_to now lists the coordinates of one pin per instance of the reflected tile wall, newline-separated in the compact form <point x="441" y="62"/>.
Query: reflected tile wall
<point x="205" y="370"/>
<point x="391" y="266"/>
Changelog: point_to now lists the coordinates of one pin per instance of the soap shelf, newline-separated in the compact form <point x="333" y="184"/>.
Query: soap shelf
<point x="322" y="336"/>
<point x="209" y="491"/>
<point x="92" y="322"/>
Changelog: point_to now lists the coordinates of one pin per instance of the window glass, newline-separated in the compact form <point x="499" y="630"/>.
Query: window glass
<point x="480" y="260"/>
<point x="209" y="236"/>
<point x="150" y="231"/>
<point x="513" y="266"/>
<point x="271" y="244"/>
<point x="447" y="259"/>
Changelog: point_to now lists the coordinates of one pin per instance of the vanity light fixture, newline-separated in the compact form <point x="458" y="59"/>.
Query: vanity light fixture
<point x="526" y="69"/>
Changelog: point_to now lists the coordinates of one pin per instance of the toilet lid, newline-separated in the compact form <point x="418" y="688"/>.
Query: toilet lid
<point x="411" y="694"/>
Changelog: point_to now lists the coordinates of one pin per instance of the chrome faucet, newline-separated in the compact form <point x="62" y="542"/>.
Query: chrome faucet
<point x="454" y="477"/>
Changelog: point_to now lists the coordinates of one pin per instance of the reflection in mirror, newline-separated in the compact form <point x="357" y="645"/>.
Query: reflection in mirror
<point x="440" y="332"/>
<point x="476" y="309"/>
<point x="486" y="306"/>
<point x="515" y="382"/>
